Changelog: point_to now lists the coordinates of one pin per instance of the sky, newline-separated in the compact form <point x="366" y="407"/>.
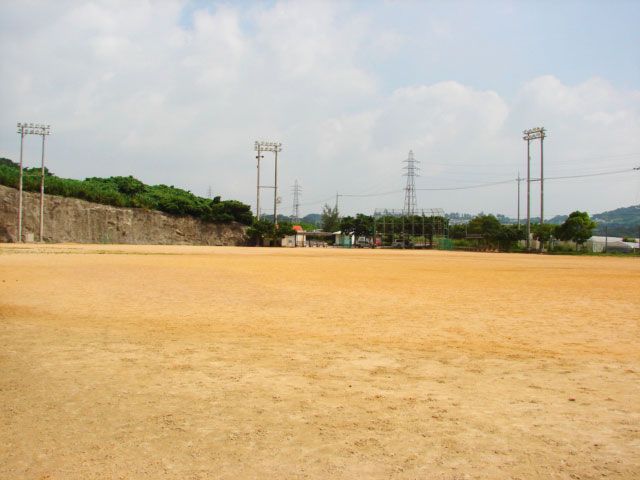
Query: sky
<point x="177" y="92"/>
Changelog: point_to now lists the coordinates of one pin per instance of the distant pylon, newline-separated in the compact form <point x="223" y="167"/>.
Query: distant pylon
<point x="296" y="201"/>
<point x="410" y="201"/>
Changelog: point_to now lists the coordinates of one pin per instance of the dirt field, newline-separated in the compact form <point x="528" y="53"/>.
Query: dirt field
<point x="127" y="362"/>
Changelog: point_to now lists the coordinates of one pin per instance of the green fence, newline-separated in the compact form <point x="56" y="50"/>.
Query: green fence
<point x="445" y="244"/>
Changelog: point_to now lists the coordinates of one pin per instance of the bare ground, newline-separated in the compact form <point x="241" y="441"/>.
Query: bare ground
<point x="203" y="362"/>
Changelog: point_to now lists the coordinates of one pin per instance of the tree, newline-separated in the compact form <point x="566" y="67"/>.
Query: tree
<point x="260" y="229"/>
<point x="129" y="185"/>
<point x="508" y="235"/>
<point x="363" y="225"/>
<point x="577" y="228"/>
<point x="8" y="163"/>
<point x="330" y="218"/>
<point x="458" y="231"/>
<point x="360" y="226"/>
<point x="543" y="232"/>
<point x="488" y="226"/>
<point x="283" y="229"/>
<point x="347" y="225"/>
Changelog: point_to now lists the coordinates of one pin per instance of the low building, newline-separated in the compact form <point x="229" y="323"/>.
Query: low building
<point x="307" y="239"/>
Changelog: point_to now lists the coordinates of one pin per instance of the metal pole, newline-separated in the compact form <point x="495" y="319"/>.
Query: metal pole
<point x="275" y="192"/>
<point x="20" y="187"/>
<point x="528" y="195"/>
<point x="258" y="194"/>
<point x="518" y="200"/>
<point x="42" y="192"/>
<point x="541" y="179"/>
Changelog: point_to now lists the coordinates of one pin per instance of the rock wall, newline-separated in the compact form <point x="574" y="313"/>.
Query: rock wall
<point x="72" y="220"/>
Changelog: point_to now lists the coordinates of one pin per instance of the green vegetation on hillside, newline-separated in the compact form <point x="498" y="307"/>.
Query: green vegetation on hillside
<point x="128" y="192"/>
<point x="619" y="222"/>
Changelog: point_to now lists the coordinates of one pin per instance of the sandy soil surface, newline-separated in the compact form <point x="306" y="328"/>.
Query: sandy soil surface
<point x="127" y="362"/>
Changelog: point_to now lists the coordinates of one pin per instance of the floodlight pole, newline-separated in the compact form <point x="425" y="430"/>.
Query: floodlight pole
<point x="518" y="200"/>
<point x="31" y="129"/>
<point x="22" y="133"/>
<point x="528" y="194"/>
<point x="538" y="132"/>
<point x="257" y="148"/>
<point x="275" y="191"/>
<point x="542" y="178"/>
<point x="42" y="193"/>
<point x="268" y="147"/>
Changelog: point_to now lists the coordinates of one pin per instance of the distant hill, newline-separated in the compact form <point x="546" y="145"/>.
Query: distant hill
<point x="313" y="219"/>
<point x="557" y="220"/>
<point x="619" y="222"/>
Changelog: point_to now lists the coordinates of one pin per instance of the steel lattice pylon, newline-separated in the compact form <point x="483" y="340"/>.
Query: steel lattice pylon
<point x="296" y="201"/>
<point x="410" y="200"/>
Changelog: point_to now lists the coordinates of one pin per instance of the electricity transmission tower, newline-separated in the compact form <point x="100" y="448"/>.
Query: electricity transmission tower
<point x="410" y="201"/>
<point x="296" y="201"/>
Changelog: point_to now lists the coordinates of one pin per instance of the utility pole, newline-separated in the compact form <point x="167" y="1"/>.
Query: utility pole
<point x="31" y="129"/>
<point x="528" y="194"/>
<point x="542" y="131"/>
<point x="518" y="200"/>
<point x="42" y="192"/>
<point x="256" y="147"/>
<point x="532" y="134"/>
<point x="21" y="131"/>
<point x="275" y="189"/>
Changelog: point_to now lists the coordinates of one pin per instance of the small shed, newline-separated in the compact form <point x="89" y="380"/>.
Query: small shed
<point x="306" y="239"/>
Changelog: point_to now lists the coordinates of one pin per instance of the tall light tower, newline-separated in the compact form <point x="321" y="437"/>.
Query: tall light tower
<point x="410" y="201"/>
<point x="532" y="134"/>
<point x="257" y="146"/>
<point x="274" y="147"/>
<point x="31" y="129"/>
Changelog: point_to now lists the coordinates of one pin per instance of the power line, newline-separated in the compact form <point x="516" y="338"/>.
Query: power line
<point x="315" y="202"/>
<point x="588" y="175"/>
<point x="469" y="187"/>
<point x="372" y="194"/>
<point x="480" y="185"/>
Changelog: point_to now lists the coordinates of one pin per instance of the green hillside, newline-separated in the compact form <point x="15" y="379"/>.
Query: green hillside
<point x="619" y="222"/>
<point x="128" y="192"/>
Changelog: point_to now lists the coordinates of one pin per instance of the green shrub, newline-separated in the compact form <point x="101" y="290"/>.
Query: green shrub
<point x="129" y="192"/>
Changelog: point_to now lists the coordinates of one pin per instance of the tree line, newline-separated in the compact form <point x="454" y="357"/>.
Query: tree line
<point x="128" y="192"/>
<point x="577" y="228"/>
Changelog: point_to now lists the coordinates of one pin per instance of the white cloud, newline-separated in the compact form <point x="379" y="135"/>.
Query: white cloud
<point x="130" y="90"/>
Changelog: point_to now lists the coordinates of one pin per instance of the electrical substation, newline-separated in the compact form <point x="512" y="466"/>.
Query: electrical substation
<point x="411" y="227"/>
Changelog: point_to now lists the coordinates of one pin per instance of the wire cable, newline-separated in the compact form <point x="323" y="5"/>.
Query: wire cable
<point x="481" y="185"/>
<point x="587" y="175"/>
<point x="372" y="194"/>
